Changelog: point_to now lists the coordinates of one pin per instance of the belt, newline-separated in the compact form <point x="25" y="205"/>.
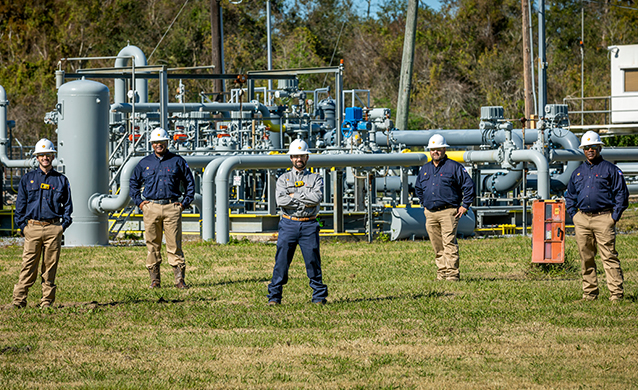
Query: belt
<point x="44" y="222"/>
<point x="590" y="213"/>
<point x="305" y="219"/>
<point x="442" y="208"/>
<point x="162" y="201"/>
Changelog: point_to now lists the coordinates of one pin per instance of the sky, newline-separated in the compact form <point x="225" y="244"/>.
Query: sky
<point x="362" y="5"/>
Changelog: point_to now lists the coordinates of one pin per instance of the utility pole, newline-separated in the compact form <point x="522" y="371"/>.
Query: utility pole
<point x="405" y="83"/>
<point x="217" y="45"/>
<point x="527" y="64"/>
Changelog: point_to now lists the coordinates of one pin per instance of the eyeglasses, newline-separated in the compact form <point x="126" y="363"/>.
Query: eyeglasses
<point x="49" y="155"/>
<point x="590" y="147"/>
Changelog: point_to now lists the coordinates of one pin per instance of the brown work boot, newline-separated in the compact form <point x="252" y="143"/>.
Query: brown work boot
<point x="180" y="273"/>
<point x="154" y="273"/>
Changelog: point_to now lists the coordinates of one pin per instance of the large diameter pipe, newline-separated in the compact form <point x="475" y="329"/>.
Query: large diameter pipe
<point x="274" y="162"/>
<point x="4" y="138"/>
<point x="102" y="203"/>
<point x="624" y="154"/>
<point x="542" y="168"/>
<point x="141" y="85"/>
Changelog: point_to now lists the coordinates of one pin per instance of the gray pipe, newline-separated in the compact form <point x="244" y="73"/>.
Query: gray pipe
<point x="4" y="138"/>
<point x="190" y="107"/>
<point x="274" y="162"/>
<point x="633" y="188"/>
<point x="102" y="203"/>
<point x="542" y="168"/>
<point x="208" y="197"/>
<point x="503" y="183"/>
<point x="141" y="85"/>
<point x="625" y="154"/>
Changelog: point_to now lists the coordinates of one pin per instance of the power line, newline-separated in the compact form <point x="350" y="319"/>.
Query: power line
<point x="167" y="30"/>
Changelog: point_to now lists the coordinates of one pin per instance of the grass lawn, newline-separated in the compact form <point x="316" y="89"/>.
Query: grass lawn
<point x="388" y="325"/>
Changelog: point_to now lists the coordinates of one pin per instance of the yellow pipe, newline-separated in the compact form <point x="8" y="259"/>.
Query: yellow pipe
<point x="455" y="155"/>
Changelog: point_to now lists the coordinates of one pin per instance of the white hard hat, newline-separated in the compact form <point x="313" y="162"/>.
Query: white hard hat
<point x="44" y="146"/>
<point x="298" y="147"/>
<point x="158" y="135"/>
<point x="437" y="141"/>
<point x="590" y="138"/>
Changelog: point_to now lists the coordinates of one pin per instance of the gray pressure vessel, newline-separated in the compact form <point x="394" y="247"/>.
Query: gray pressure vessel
<point x="83" y="139"/>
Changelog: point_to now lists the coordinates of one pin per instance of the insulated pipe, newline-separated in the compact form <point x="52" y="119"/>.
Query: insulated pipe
<point x="274" y="162"/>
<point x="624" y="154"/>
<point x="208" y="198"/>
<point x="4" y="138"/>
<point x="504" y="183"/>
<point x="102" y="203"/>
<point x="141" y="85"/>
<point x="542" y="168"/>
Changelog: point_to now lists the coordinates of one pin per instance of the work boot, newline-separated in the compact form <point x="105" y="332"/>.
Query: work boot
<point x="154" y="272"/>
<point x="180" y="273"/>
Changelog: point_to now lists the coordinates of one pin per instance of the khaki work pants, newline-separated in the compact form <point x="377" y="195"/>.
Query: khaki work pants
<point x="39" y="242"/>
<point x="593" y="231"/>
<point x="166" y="218"/>
<point x="441" y="227"/>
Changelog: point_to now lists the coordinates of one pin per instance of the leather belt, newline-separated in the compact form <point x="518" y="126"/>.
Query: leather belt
<point x="590" y="213"/>
<point x="44" y="222"/>
<point x="442" y="208"/>
<point x="162" y="201"/>
<point x="305" y="219"/>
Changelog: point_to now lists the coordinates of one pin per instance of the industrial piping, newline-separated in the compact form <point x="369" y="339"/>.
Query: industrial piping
<point x="274" y="162"/>
<point x="101" y="203"/>
<point x="4" y="138"/>
<point x="141" y="85"/>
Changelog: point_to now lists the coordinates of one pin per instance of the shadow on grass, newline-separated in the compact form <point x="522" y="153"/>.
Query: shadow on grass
<point x="431" y="294"/>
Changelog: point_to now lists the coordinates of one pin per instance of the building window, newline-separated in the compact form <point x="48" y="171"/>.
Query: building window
<point x="631" y="80"/>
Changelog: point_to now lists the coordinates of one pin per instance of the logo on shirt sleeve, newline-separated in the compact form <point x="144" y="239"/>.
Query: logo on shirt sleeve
<point x="620" y="172"/>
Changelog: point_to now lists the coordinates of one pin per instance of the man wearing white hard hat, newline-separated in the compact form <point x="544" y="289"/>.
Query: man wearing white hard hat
<point x="299" y="193"/>
<point x="596" y="197"/>
<point x="43" y="211"/>
<point x="169" y="188"/>
<point x="446" y="191"/>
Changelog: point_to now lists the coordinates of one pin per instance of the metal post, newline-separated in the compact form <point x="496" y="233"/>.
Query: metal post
<point x="339" y="101"/>
<point x="524" y="199"/>
<point x="337" y="191"/>
<point x="269" y="28"/>
<point x="370" y="201"/>
<point x="542" y="60"/>
<point x="405" y="196"/>
<point x="163" y="87"/>
<point x="272" y="196"/>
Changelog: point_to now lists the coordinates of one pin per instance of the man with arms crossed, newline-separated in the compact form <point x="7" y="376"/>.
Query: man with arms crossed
<point x="43" y="211"/>
<point x="446" y="191"/>
<point x="299" y="193"/>
<point x="596" y="197"/>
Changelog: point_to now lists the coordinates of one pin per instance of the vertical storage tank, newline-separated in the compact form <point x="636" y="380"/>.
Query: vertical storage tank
<point x="83" y="108"/>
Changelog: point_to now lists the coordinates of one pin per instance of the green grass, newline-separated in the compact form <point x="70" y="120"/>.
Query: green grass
<point x="389" y="324"/>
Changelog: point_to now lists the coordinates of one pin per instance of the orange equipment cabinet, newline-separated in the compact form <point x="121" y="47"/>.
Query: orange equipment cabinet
<point x="548" y="231"/>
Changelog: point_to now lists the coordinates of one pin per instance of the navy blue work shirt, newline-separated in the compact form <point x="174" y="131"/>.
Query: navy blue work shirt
<point x="43" y="196"/>
<point x="161" y="178"/>
<point x="595" y="187"/>
<point x="448" y="185"/>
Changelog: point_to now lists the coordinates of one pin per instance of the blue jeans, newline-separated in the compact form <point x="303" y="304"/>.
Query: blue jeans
<point x="306" y="234"/>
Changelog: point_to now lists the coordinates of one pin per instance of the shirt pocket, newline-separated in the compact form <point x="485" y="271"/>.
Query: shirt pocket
<point x="148" y="173"/>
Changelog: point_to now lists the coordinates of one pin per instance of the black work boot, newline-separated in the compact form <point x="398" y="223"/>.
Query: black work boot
<point x="180" y="273"/>
<point x="154" y="272"/>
